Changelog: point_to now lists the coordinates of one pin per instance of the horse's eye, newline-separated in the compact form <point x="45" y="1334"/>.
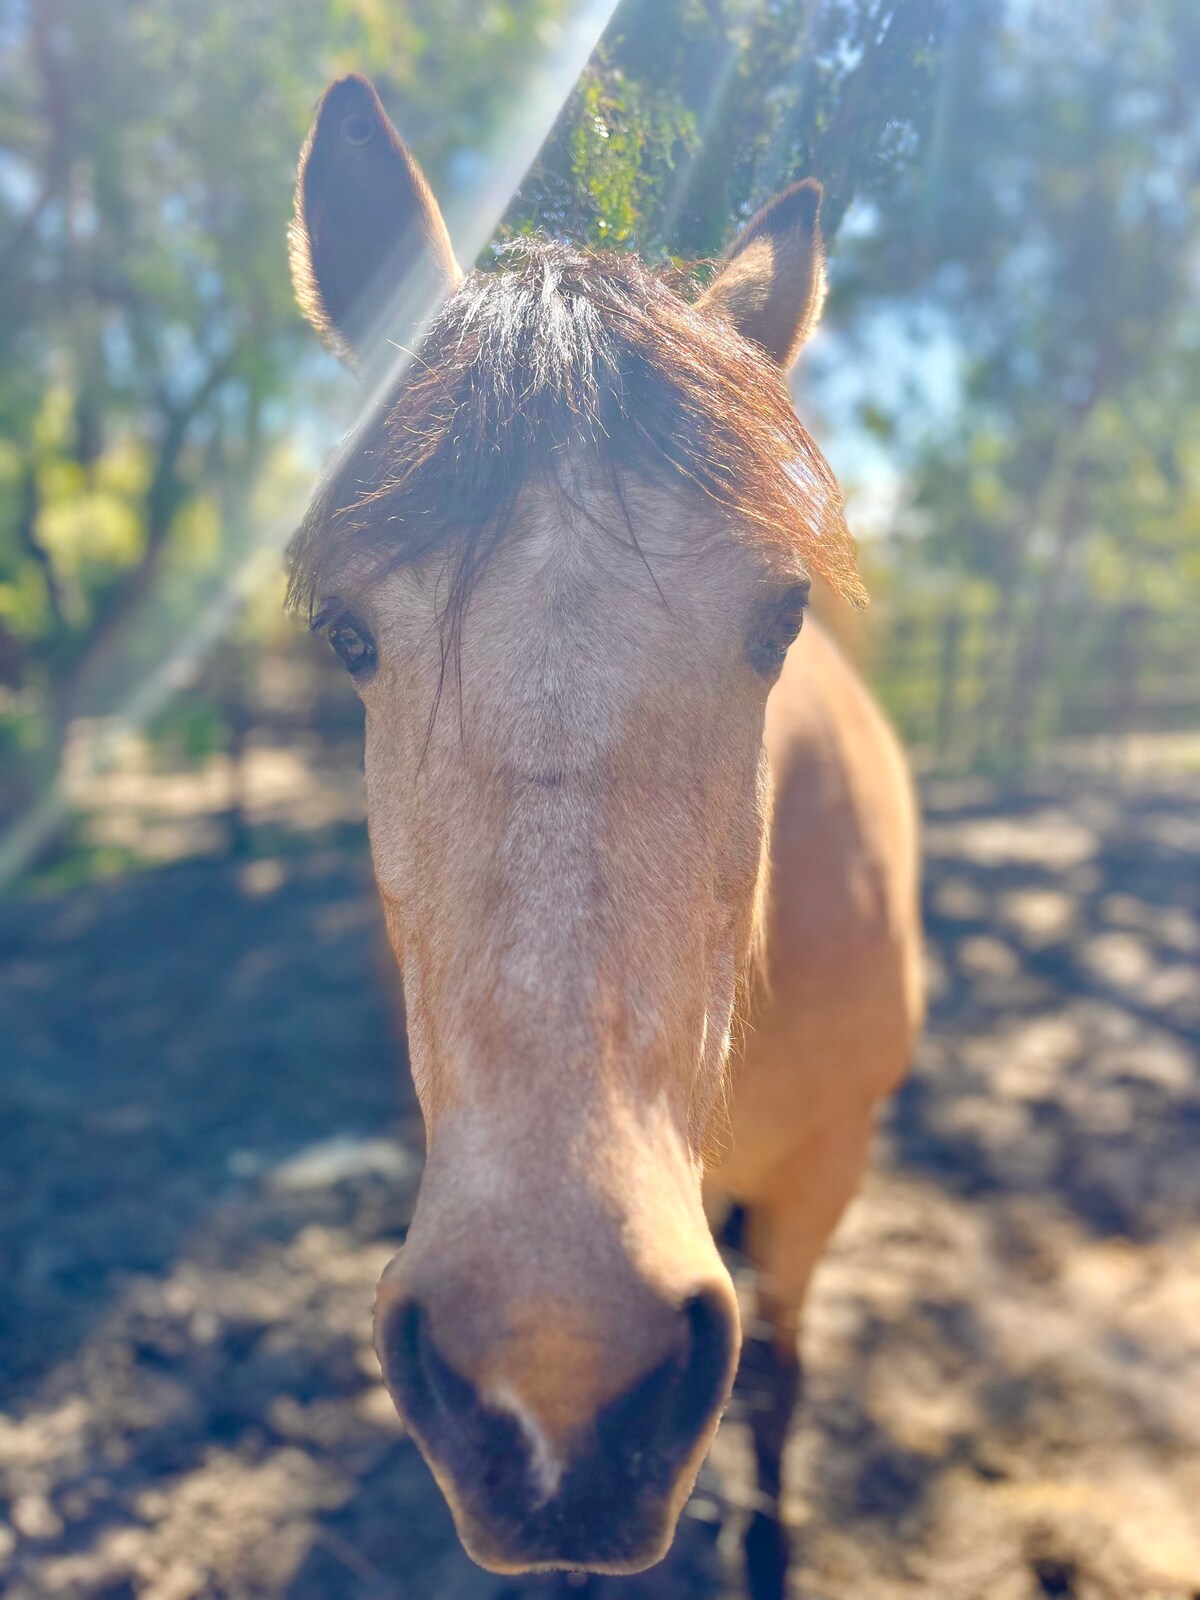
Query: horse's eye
<point x="782" y="624"/>
<point x="353" y="645"/>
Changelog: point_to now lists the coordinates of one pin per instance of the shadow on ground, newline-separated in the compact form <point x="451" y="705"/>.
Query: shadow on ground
<point x="206" y="1157"/>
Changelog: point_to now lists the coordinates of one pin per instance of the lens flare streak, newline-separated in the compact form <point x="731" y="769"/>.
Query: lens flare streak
<point x="485" y="181"/>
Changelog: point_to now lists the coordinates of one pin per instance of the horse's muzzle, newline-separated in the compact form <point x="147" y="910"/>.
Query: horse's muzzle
<point x="610" y="1503"/>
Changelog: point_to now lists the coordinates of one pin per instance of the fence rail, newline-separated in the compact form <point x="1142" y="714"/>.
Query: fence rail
<point x="959" y="681"/>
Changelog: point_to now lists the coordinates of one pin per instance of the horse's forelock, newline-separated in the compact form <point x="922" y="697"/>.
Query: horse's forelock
<point x="560" y="349"/>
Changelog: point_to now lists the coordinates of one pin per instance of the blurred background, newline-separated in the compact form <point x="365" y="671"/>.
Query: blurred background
<point x="207" y="1145"/>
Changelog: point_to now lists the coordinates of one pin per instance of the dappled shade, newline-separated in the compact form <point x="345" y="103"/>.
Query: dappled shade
<point x="1002" y="1343"/>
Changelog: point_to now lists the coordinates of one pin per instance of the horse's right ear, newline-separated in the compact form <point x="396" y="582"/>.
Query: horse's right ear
<point x="371" y="258"/>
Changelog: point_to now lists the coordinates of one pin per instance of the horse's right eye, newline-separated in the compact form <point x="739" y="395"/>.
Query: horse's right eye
<point x="353" y="646"/>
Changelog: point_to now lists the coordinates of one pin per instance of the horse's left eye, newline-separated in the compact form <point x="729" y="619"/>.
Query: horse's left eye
<point x="354" y="647"/>
<point x="771" y="643"/>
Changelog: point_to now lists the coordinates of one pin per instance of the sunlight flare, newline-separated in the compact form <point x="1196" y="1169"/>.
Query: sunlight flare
<point x="482" y="184"/>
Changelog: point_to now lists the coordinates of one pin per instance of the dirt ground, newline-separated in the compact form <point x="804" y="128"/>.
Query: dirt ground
<point x="207" y="1154"/>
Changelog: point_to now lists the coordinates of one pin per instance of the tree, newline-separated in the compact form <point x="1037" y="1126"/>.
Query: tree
<point x="691" y="114"/>
<point x="1053" y="230"/>
<point x="151" y="360"/>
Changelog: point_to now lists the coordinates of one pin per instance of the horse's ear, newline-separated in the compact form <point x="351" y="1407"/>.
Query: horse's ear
<point x="771" y="281"/>
<point x="370" y="254"/>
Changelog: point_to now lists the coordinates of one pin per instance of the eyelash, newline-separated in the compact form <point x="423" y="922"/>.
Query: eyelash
<point x="768" y="650"/>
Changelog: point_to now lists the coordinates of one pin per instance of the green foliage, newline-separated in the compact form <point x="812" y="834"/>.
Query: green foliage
<point x="691" y="114"/>
<point x="612" y="155"/>
<point x="152" y="364"/>
<point x="1054" y="227"/>
<point x="622" y="149"/>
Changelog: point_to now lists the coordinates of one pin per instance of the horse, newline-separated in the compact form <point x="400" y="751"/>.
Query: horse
<point x="647" y="855"/>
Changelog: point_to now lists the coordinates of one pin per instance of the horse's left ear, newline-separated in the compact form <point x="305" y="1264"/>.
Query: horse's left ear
<point x="771" y="280"/>
<point x="371" y="258"/>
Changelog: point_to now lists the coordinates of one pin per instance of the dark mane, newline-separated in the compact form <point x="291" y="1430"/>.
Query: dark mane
<point x="563" y="348"/>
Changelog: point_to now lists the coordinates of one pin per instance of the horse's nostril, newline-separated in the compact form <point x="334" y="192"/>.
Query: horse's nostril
<point x="483" y="1451"/>
<point x="416" y="1372"/>
<point x="656" y="1421"/>
<point x="709" y="1366"/>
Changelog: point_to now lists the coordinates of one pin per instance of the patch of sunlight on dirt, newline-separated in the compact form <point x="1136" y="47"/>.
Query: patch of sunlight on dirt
<point x="1040" y="916"/>
<point x="1051" y="837"/>
<point x="940" y="1345"/>
<point x="126" y="801"/>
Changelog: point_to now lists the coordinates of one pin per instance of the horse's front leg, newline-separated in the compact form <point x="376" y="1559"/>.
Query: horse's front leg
<point x="784" y="1237"/>
<point x="770" y="1381"/>
<point x="766" y="1394"/>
